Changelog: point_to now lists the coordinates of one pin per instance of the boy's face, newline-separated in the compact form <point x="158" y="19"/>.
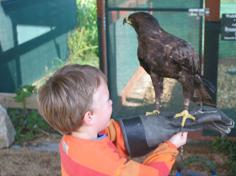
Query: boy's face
<point x="102" y="106"/>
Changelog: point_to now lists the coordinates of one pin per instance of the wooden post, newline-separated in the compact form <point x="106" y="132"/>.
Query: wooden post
<point x="214" y="7"/>
<point x="211" y="42"/>
<point x="101" y="22"/>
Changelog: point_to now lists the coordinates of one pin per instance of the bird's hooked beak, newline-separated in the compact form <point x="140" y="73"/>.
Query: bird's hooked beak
<point x="126" y="20"/>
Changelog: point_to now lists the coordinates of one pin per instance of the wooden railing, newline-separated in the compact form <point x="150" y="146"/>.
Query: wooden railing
<point x="7" y="100"/>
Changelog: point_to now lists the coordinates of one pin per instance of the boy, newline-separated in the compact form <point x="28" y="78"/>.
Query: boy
<point x="75" y="101"/>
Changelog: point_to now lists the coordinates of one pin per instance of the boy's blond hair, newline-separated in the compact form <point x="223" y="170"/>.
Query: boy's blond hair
<point x="67" y="96"/>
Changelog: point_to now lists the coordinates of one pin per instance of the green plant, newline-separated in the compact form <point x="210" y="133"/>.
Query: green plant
<point x="201" y="161"/>
<point x="227" y="147"/>
<point x="28" y="126"/>
<point x="23" y="93"/>
<point x="83" y="41"/>
<point x="28" y="123"/>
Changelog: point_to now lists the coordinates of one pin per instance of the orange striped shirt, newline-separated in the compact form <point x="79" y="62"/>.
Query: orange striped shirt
<point x="106" y="156"/>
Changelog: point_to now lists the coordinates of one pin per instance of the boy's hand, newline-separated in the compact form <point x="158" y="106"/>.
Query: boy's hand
<point x="179" y="139"/>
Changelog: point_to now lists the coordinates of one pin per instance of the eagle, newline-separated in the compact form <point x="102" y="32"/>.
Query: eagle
<point x="164" y="55"/>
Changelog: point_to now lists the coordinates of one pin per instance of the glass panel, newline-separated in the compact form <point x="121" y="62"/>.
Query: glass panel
<point x="226" y="94"/>
<point x="131" y="88"/>
<point x="172" y="22"/>
<point x="122" y="49"/>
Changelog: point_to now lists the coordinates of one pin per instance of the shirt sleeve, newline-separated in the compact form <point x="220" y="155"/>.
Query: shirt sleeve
<point x="113" y="131"/>
<point x="157" y="163"/>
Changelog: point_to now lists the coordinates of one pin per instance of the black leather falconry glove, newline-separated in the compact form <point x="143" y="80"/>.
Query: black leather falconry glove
<point x="144" y="133"/>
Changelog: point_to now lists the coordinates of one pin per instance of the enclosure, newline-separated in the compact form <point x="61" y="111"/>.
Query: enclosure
<point x="36" y="38"/>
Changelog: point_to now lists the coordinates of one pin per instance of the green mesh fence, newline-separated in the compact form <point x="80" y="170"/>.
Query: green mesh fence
<point x="33" y="39"/>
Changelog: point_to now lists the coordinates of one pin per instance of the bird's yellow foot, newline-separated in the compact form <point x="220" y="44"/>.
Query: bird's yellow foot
<point x="185" y="115"/>
<point x="155" y="112"/>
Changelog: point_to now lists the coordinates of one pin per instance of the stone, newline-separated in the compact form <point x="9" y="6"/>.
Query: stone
<point x="7" y="130"/>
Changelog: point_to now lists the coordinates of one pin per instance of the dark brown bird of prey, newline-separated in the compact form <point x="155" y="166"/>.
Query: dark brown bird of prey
<point x="164" y="55"/>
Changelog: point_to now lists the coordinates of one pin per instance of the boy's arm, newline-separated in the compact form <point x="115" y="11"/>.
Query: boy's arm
<point x="143" y="133"/>
<point x="107" y="161"/>
<point x="158" y="163"/>
<point x="113" y="131"/>
<point x="162" y="158"/>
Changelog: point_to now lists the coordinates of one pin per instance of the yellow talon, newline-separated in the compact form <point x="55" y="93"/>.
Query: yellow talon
<point x="155" y="112"/>
<point x="186" y="115"/>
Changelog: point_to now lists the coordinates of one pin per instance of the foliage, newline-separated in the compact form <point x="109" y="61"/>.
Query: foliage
<point x="196" y="160"/>
<point x="227" y="147"/>
<point x="23" y="93"/>
<point x="28" y="123"/>
<point x="83" y="41"/>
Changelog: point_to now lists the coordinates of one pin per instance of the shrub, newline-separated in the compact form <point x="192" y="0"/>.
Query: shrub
<point x="83" y="41"/>
<point x="228" y="148"/>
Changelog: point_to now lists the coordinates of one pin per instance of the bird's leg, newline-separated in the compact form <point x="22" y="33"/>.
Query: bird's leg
<point x="188" y="91"/>
<point x="157" y="110"/>
<point x="185" y="113"/>
<point x="157" y="82"/>
<point x="158" y="105"/>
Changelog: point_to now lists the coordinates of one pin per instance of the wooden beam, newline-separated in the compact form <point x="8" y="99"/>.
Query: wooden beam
<point x="7" y="100"/>
<point x="101" y="21"/>
<point x="214" y="7"/>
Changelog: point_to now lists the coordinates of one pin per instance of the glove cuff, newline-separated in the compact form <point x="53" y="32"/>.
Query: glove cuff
<point x="134" y="136"/>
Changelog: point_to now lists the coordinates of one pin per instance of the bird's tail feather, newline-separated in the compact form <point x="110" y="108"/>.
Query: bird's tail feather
<point x="204" y="90"/>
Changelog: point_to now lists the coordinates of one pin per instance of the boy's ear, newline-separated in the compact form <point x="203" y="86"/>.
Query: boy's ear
<point x="88" y="118"/>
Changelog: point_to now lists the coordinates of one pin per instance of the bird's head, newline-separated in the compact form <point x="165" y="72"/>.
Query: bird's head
<point x="141" y="21"/>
